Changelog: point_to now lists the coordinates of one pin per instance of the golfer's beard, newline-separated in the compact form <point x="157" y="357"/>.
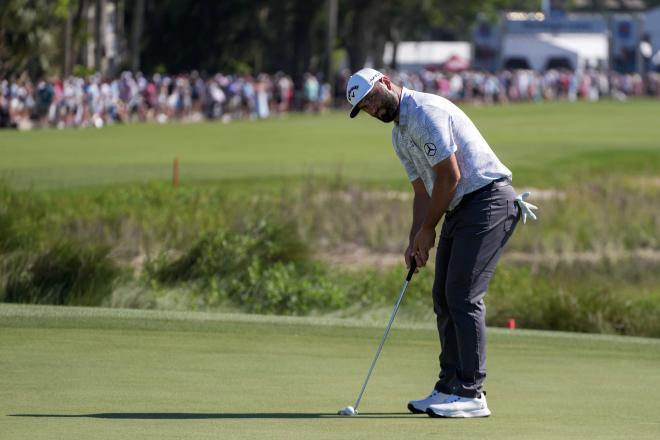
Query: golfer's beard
<point x="389" y="110"/>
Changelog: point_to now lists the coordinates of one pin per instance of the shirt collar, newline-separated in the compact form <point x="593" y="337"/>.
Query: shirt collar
<point x="406" y="98"/>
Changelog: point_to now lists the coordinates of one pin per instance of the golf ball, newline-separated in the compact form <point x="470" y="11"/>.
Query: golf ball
<point x="348" y="411"/>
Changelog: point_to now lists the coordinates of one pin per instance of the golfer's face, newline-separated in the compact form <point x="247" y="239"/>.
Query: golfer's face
<point x="380" y="103"/>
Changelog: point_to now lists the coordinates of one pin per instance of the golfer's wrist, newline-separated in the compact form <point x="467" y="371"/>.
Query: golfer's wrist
<point x="428" y="225"/>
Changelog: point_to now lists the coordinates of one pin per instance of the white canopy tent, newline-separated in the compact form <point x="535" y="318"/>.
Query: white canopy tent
<point x="579" y="49"/>
<point x="652" y="27"/>
<point x="413" y="55"/>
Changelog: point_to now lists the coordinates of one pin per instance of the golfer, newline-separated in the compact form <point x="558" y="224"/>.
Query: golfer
<point x="454" y="173"/>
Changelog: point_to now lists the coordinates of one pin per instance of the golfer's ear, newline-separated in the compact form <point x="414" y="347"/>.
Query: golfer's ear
<point x="385" y="80"/>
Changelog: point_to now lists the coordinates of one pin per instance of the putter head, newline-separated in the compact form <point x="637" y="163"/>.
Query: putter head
<point x="348" y="411"/>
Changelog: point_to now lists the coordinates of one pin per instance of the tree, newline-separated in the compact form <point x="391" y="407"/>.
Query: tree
<point x="29" y="35"/>
<point x="234" y="35"/>
<point x="47" y="36"/>
<point x="136" y="34"/>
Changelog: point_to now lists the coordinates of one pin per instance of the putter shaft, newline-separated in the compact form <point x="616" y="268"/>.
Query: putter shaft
<point x="387" y="330"/>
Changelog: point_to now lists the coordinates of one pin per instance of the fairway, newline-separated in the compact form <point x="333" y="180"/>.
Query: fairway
<point x="117" y="374"/>
<point x="543" y="145"/>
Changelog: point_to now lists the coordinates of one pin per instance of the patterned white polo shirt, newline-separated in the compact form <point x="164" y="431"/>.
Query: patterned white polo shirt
<point x="430" y="129"/>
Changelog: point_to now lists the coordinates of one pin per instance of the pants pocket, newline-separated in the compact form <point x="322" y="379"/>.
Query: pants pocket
<point x="512" y="214"/>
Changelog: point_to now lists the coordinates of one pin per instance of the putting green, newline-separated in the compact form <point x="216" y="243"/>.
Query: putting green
<point x="118" y="374"/>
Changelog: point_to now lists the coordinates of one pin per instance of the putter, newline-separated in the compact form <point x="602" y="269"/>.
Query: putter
<point x="353" y="410"/>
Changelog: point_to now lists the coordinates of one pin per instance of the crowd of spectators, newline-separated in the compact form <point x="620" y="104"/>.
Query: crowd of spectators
<point x="96" y="101"/>
<point x="528" y="85"/>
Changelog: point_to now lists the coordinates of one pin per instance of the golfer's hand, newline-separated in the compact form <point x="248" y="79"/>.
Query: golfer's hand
<point x="423" y="242"/>
<point x="408" y="256"/>
<point x="525" y="208"/>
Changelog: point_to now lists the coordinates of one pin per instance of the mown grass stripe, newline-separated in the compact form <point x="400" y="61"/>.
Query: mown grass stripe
<point x="33" y="313"/>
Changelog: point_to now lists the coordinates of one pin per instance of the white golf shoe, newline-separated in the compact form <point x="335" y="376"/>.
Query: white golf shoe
<point x="456" y="406"/>
<point x="420" y="406"/>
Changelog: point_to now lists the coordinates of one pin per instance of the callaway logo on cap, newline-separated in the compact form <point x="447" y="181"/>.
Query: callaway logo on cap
<point x="359" y="84"/>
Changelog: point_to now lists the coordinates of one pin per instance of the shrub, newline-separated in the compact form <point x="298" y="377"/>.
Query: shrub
<point x="582" y="297"/>
<point x="18" y="225"/>
<point x="285" y="289"/>
<point x="264" y="270"/>
<point x="68" y="273"/>
<point x="223" y="253"/>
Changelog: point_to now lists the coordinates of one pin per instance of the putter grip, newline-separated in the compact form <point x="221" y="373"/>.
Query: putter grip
<point x="413" y="266"/>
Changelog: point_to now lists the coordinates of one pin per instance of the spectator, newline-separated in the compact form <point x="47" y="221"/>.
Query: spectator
<point x="131" y="97"/>
<point x="311" y="93"/>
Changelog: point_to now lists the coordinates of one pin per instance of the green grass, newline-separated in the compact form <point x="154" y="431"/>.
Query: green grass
<point x="597" y="152"/>
<point x="546" y="144"/>
<point x="106" y="374"/>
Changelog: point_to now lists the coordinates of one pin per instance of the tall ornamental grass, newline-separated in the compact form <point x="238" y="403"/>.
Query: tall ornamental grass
<point x="229" y="246"/>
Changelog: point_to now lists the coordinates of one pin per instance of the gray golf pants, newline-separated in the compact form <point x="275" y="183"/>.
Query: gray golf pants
<point x="471" y="242"/>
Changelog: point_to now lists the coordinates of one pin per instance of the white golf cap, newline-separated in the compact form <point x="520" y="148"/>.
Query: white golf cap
<point x="359" y="84"/>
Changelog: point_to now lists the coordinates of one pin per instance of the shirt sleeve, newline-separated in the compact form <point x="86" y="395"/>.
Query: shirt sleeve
<point x="405" y="160"/>
<point x="433" y="134"/>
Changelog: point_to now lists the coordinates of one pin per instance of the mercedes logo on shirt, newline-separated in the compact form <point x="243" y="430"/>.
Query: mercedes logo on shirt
<point x="430" y="149"/>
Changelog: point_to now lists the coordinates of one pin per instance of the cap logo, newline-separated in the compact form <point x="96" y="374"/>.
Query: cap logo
<point x="351" y="91"/>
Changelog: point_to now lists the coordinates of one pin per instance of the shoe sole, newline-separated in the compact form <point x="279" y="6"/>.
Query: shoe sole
<point x="459" y="414"/>
<point x="414" y="410"/>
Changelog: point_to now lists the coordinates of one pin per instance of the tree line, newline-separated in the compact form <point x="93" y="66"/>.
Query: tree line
<point x="60" y="37"/>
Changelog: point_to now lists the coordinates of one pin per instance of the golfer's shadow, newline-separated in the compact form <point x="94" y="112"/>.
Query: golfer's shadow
<point x="226" y="416"/>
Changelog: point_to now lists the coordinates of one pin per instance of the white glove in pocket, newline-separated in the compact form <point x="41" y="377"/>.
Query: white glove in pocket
<point x="525" y="208"/>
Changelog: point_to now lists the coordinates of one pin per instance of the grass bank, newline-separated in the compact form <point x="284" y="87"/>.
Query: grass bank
<point x="88" y="217"/>
<point x="207" y="247"/>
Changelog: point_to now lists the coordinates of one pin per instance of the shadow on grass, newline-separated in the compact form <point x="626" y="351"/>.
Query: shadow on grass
<point x="199" y="416"/>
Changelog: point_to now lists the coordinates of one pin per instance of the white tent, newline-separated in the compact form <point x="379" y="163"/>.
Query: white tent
<point x="652" y="27"/>
<point x="580" y="49"/>
<point x="411" y="55"/>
